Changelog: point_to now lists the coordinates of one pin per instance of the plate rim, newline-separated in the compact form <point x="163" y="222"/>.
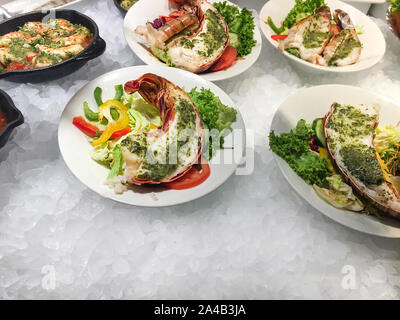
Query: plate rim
<point x="221" y="75"/>
<point x="327" y="69"/>
<point x="280" y="162"/>
<point x="240" y="121"/>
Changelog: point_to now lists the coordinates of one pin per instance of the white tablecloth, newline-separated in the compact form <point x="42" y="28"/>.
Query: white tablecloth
<point x="252" y="238"/>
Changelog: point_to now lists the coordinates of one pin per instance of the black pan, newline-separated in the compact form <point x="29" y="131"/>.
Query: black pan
<point x="95" y="49"/>
<point x="118" y="5"/>
<point x="13" y="115"/>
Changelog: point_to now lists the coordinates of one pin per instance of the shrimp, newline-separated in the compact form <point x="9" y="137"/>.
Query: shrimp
<point x="158" y="37"/>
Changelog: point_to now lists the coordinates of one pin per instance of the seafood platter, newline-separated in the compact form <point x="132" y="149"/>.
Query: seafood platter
<point x="157" y="152"/>
<point x="335" y="37"/>
<point x="163" y="134"/>
<point x="193" y="36"/>
<point x="347" y="166"/>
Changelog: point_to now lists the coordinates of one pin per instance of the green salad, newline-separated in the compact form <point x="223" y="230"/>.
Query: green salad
<point x="143" y="117"/>
<point x="295" y="148"/>
<point x="241" y="27"/>
<point x="305" y="151"/>
<point x="301" y="10"/>
<point x="395" y="6"/>
<point x="215" y="115"/>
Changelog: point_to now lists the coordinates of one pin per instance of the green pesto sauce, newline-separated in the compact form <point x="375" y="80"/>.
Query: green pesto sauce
<point x="362" y="163"/>
<point x="313" y="37"/>
<point x="157" y="172"/>
<point x="186" y="115"/>
<point x="216" y="36"/>
<point x="350" y="121"/>
<point x="19" y="48"/>
<point x="188" y="44"/>
<point x="163" y="56"/>
<point x="136" y="144"/>
<point x="44" y="57"/>
<point x="344" y="48"/>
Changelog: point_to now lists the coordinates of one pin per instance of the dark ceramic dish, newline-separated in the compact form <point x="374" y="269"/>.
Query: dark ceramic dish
<point x="118" y="5"/>
<point x="394" y="22"/>
<point x="13" y="115"/>
<point x="59" y="70"/>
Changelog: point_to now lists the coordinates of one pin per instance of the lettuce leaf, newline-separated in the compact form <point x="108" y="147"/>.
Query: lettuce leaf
<point x="294" y="147"/>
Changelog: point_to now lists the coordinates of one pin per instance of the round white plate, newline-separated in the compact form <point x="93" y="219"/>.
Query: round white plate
<point x="75" y="147"/>
<point x="374" y="45"/>
<point x="148" y="10"/>
<point x="311" y="103"/>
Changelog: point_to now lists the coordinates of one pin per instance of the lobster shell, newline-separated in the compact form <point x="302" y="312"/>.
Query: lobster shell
<point x="391" y="208"/>
<point x="159" y="91"/>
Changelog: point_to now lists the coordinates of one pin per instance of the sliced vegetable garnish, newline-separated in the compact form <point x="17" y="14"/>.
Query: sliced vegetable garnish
<point x="117" y="162"/>
<point x="113" y="125"/>
<point x="119" y="91"/>
<point x="97" y="96"/>
<point x="279" y="37"/>
<point x="194" y="177"/>
<point x="89" y="114"/>
<point x="93" y="131"/>
<point x="86" y="127"/>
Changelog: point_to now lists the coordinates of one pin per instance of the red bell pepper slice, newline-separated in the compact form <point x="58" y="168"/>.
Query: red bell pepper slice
<point x="279" y="37"/>
<point x="92" y="131"/>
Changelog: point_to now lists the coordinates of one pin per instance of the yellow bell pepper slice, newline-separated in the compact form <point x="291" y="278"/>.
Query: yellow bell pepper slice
<point x="324" y="153"/>
<point x="113" y="125"/>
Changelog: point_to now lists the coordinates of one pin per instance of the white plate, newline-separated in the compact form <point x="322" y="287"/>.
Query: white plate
<point x="311" y="103"/>
<point x="75" y="148"/>
<point x="372" y="39"/>
<point x="148" y="10"/>
<point x="366" y="1"/>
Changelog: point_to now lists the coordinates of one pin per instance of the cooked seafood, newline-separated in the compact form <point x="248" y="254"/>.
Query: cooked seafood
<point x="165" y="154"/>
<point x="319" y="41"/>
<point x="345" y="47"/>
<point x="310" y="36"/>
<point x="350" y="132"/>
<point x="193" y="40"/>
<point x="38" y="45"/>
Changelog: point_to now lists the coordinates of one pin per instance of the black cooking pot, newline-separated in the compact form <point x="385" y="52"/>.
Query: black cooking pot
<point x="93" y="50"/>
<point x="13" y="115"/>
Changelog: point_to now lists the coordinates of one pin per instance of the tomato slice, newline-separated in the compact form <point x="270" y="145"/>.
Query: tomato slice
<point x="191" y="179"/>
<point x="226" y="60"/>
<point x="16" y="66"/>
<point x="87" y="41"/>
<point x="279" y="37"/>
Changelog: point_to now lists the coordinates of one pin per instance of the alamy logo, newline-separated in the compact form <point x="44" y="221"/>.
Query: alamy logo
<point x="49" y="278"/>
<point x="349" y="278"/>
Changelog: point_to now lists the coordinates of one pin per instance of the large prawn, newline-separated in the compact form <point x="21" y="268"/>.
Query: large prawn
<point x="197" y="49"/>
<point x="165" y="154"/>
